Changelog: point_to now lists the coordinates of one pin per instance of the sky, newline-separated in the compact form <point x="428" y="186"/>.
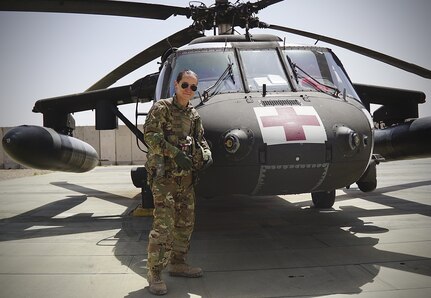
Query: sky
<point x="45" y="55"/>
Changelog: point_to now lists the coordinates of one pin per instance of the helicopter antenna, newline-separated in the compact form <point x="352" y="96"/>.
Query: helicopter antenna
<point x="247" y="31"/>
<point x="233" y="24"/>
<point x="215" y="23"/>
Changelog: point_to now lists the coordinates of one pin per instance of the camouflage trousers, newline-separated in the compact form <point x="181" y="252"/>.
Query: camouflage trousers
<point x="174" y="217"/>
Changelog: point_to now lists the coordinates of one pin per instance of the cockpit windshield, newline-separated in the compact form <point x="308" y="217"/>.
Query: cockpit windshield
<point x="318" y="70"/>
<point x="218" y="70"/>
<point x="264" y="67"/>
<point x="209" y="66"/>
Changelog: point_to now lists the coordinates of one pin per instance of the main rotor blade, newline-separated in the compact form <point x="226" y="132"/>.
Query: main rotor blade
<point x="413" y="68"/>
<point x="101" y="7"/>
<point x="265" y="3"/>
<point x="177" y="39"/>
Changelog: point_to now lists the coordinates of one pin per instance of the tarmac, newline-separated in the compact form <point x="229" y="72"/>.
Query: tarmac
<point x="71" y="235"/>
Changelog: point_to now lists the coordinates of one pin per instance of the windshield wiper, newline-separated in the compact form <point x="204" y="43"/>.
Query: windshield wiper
<point x="227" y="73"/>
<point x="311" y="81"/>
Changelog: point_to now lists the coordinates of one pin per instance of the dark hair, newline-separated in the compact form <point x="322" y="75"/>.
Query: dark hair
<point x="186" y="72"/>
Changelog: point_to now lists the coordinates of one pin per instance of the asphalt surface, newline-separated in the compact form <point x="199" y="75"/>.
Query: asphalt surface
<point x="71" y="235"/>
<point x="7" y="174"/>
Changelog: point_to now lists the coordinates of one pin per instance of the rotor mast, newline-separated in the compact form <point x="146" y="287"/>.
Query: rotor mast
<point x="223" y="26"/>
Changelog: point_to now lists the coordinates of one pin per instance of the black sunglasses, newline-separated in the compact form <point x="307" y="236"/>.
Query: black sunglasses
<point x="185" y="85"/>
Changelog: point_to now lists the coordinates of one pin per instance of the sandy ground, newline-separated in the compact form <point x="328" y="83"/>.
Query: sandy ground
<point x="6" y="174"/>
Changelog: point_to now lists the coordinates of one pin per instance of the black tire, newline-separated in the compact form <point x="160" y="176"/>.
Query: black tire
<point x="367" y="186"/>
<point x="323" y="199"/>
<point x="147" y="198"/>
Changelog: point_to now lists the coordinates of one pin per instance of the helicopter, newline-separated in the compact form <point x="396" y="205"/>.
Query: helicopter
<point x="280" y="118"/>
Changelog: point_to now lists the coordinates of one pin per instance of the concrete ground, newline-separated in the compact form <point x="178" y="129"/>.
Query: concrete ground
<point x="70" y="235"/>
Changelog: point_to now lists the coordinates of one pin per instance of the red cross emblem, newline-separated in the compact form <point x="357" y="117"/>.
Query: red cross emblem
<point x="291" y="122"/>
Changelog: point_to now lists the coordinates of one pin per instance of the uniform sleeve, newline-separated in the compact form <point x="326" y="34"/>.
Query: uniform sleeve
<point x="153" y="132"/>
<point x="200" y="135"/>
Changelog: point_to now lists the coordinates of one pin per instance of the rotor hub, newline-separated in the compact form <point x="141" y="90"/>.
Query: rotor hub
<point x="225" y="16"/>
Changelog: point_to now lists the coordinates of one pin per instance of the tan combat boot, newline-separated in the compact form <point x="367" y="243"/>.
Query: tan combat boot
<point x="184" y="270"/>
<point x="156" y="285"/>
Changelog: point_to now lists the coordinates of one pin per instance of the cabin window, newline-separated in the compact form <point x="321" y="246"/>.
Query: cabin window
<point x="264" y="67"/>
<point x="318" y="70"/>
<point x="209" y="66"/>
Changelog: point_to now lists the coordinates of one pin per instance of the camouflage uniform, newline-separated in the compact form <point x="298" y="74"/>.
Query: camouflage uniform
<point x="167" y="126"/>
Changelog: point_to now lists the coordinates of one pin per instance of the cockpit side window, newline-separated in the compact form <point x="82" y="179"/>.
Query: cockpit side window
<point x="264" y="67"/>
<point x="161" y="82"/>
<point x="209" y="66"/>
<point x="318" y="70"/>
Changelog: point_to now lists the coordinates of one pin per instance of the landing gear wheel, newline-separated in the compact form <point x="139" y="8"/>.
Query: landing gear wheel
<point x="367" y="186"/>
<point x="368" y="181"/>
<point x="323" y="199"/>
<point x="139" y="177"/>
<point x="147" y="197"/>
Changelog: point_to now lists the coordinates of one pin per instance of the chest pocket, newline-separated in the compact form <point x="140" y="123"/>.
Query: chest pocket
<point x="179" y="125"/>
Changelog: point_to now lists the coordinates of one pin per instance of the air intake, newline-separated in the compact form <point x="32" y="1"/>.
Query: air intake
<point x="280" y="102"/>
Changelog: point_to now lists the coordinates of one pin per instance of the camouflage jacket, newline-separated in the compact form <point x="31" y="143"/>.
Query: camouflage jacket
<point x="167" y="125"/>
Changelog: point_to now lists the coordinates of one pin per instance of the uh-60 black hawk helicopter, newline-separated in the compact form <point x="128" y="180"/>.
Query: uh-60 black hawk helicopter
<point x="280" y="118"/>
